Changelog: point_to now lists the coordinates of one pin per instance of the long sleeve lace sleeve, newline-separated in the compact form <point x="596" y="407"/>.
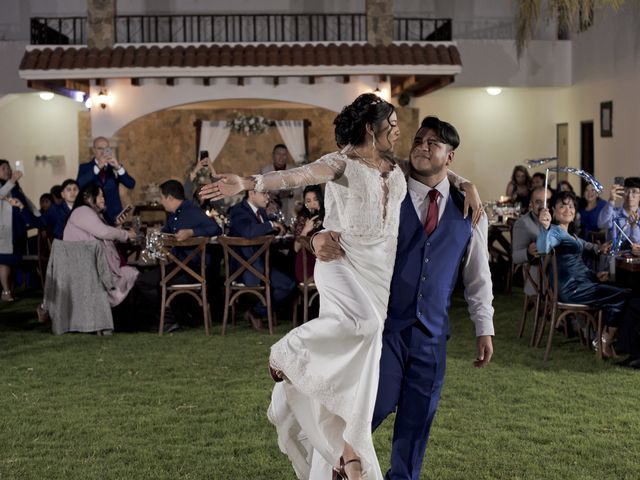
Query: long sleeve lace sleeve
<point x="455" y="179"/>
<point x="329" y="167"/>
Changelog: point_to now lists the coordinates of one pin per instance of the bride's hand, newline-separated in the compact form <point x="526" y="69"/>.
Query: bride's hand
<point x="226" y="186"/>
<point x="472" y="200"/>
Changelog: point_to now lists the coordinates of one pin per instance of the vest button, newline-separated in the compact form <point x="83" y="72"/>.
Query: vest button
<point x="423" y="278"/>
<point x="426" y="260"/>
<point x="428" y="244"/>
<point x="419" y="295"/>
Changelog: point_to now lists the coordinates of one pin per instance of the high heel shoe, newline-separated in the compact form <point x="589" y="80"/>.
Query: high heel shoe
<point x="340" y="473"/>
<point x="276" y="375"/>
<point x="607" y="347"/>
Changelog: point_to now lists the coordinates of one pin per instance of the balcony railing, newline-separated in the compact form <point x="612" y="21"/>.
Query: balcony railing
<point x="58" y="31"/>
<point x="264" y="28"/>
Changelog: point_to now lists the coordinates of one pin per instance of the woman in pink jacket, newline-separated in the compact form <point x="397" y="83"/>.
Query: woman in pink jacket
<point x="87" y="223"/>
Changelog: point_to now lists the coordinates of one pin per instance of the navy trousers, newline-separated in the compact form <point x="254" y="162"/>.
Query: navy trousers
<point x="412" y="368"/>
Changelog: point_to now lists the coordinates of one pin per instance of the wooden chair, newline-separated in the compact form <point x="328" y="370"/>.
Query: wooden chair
<point x="197" y="289"/>
<point x="233" y="288"/>
<point x="307" y="290"/>
<point x="531" y="301"/>
<point x="39" y="259"/>
<point x="557" y="311"/>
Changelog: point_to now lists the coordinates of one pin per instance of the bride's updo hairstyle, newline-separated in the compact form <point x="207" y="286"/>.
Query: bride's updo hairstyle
<point x="352" y="120"/>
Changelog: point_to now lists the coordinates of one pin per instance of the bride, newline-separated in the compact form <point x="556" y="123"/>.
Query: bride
<point x="330" y="365"/>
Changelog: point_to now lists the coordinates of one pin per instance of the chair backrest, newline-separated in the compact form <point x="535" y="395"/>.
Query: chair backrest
<point x="550" y="275"/>
<point x="536" y="283"/>
<point x="229" y="245"/>
<point x="200" y="247"/>
<point x="306" y="251"/>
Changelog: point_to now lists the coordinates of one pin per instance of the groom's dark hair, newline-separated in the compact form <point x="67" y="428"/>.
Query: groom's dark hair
<point x="445" y="131"/>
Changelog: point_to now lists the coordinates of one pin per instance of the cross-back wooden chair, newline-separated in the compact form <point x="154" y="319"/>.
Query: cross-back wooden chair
<point x="196" y="289"/>
<point x="532" y="276"/>
<point x="307" y="290"/>
<point x="557" y="312"/>
<point x="233" y="286"/>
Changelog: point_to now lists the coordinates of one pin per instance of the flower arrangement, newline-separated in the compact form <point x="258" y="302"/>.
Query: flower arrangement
<point x="249" y="125"/>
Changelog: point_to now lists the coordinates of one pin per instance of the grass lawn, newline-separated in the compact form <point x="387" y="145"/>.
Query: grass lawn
<point x="184" y="406"/>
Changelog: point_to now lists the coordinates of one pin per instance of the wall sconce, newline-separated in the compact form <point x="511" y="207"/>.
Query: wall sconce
<point x="103" y="98"/>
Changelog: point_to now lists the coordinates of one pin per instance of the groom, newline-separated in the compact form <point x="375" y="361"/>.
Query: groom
<point x="434" y="243"/>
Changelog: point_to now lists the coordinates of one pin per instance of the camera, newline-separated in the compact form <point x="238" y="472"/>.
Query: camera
<point x="204" y="154"/>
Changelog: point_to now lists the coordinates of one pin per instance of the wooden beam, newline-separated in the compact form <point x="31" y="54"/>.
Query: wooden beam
<point x="100" y="82"/>
<point x="346" y="78"/>
<point x="171" y="82"/>
<point x="435" y="84"/>
<point x="312" y="80"/>
<point x="276" y="81"/>
<point x="206" y="81"/>
<point x="241" y="81"/>
<point x="135" y="82"/>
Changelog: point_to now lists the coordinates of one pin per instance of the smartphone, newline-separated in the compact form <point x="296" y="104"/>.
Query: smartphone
<point x="19" y="166"/>
<point x="204" y="154"/>
<point x="107" y="151"/>
<point x="125" y="210"/>
<point x="618" y="180"/>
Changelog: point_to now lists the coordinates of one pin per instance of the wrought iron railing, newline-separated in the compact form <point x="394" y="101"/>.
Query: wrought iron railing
<point x="264" y="28"/>
<point x="422" y="29"/>
<point x="58" y="30"/>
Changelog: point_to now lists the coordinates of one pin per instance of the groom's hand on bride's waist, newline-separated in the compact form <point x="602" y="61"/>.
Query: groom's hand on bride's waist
<point x="326" y="246"/>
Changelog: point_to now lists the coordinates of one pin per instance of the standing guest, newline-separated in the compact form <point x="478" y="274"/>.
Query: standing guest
<point x="576" y="282"/>
<point x="13" y="231"/>
<point x="564" y="186"/>
<point x="86" y="222"/>
<point x="626" y="216"/>
<point x="185" y="220"/>
<point x="518" y="189"/>
<point x="56" y="217"/>
<point x="191" y="183"/>
<point x="288" y="198"/>
<point x="309" y="222"/>
<point x="107" y="172"/>
<point x="590" y="211"/>
<point x="249" y="219"/>
<point x="525" y="234"/>
<point x="46" y="200"/>
<point x="537" y="180"/>
<point x="55" y="192"/>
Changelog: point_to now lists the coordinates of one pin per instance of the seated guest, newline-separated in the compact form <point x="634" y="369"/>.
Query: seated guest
<point x="576" y="282"/>
<point x="525" y="233"/>
<point x="185" y="220"/>
<point x="46" y="200"/>
<point x="86" y="222"/>
<point x="518" y="189"/>
<point x="249" y="220"/>
<point x="626" y="216"/>
<point x="309" y="221"/>
<point x="590" y="211"/>
<point x="13" y="231"/>
<point x="56" y="217"/>
<point x="55" y="192"/>
<point x="537" y="180"/>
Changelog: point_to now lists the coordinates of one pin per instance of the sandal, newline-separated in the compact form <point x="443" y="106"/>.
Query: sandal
<point x="6" y="296"/>
<point x="276" y="375"/>
<point x="340" y="473"/>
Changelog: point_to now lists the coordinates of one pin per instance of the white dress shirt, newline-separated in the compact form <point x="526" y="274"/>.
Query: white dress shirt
<point x="476" y="275"/>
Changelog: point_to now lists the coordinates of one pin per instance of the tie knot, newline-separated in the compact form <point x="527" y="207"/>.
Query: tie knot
<point x="433" y="195"/>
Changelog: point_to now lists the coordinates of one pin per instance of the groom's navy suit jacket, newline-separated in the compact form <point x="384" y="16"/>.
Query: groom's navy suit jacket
<point x="426" y="268"/>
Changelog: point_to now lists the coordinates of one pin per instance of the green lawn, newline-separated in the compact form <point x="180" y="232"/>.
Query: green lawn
<point x="136" y="406"/>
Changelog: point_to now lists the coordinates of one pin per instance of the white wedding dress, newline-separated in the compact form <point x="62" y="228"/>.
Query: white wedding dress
<point x="331" y="363"/>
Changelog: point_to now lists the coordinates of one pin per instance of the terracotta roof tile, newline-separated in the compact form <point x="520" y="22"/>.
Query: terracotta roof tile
<point x="224" y="55"/>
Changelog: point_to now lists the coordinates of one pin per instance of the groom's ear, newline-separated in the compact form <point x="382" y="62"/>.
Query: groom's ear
<point x="450" y="156"/>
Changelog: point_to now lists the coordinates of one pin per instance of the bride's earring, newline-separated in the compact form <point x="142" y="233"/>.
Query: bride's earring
<point x="373" y="141"/>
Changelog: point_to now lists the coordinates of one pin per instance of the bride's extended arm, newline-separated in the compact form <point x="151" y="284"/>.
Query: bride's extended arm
<point x="472" y="198"/>
<point x="329" y="167"/>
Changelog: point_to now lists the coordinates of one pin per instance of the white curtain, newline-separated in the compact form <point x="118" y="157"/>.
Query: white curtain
<point x="292" y="132"/>
<point x="213" y="136"/>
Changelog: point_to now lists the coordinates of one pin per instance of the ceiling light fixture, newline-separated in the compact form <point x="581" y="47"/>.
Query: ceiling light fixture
<point x="46" y="96"/>
<point x="494" y="91"/>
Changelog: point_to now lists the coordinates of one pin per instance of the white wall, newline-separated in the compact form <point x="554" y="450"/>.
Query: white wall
<point x="36" y="127"/>
<point x="498" y="132"/>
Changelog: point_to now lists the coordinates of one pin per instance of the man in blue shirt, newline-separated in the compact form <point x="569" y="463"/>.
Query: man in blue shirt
<point x="185" y="220"/>
<point x="105" y="170"/>
<point x="56" y="216"/>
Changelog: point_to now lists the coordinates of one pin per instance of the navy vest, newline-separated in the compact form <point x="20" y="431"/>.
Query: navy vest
<point x="426" y="268"/>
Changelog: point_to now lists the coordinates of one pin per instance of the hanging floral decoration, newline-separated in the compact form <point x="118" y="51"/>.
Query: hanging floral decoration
<point x="249" y="125"/>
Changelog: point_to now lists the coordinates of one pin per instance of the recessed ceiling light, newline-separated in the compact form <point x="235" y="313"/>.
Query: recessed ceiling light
<point x="494" y="91"/>
<point x="46" y="96"/>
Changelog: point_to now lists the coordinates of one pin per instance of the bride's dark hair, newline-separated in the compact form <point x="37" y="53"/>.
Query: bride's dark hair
<point x="352" y="120"/>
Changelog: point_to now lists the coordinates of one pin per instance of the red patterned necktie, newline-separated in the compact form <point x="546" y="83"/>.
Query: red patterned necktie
<point x="103" y="176"/>
<point x="259" y="217"/>
<point x="431" y="222"/>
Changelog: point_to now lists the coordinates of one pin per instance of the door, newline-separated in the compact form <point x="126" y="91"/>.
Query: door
<point x="586" y="149"/>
